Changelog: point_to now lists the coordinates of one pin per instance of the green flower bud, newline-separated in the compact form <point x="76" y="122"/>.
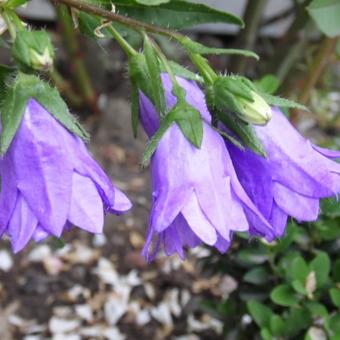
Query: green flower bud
<point x="235" y="95"/>
<point x="257" y="112"/>
<point x="33" y="50"/>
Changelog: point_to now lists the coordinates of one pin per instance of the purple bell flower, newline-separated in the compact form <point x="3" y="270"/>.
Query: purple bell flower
<point x="197" y="197"/>
<point x="49" y="182"/>
<point x="292" y="179"/>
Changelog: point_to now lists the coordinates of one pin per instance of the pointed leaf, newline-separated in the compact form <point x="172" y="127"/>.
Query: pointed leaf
<point x="195" y="47"/>
<point x="321" y="265"/>
<point x="260" y="313"/>
<point x="282" y="102"/>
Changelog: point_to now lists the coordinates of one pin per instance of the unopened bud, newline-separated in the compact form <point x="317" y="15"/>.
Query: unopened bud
<point x="257" y="112"/>
<point x="42" y="61"/>
<point x="33" y="49"/>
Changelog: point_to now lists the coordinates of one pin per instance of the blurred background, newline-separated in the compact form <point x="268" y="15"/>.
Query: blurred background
<point x="100" y="287"/>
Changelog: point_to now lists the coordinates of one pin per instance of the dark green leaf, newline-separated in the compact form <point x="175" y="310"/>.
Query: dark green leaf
<point x="195" y="47"/>
<point x="297" y="320"/>
<point x="5" y="74"/>
<point x="260" y="313"/>
<point x="154" y="70"/>
<point x="336" y="271"/>
<point x="257" y="276"/>
<point x="253" y="256"/>
<point x="282" y="102"/>
<point x="330" y="207"/>
<point x="277" y="325"/>
<point x="335" y="296"/>
<point x="265" y="334"/>
<point x="176" y="14"/>
<point x="284" y="295"/>
<point x="317" y="310"/>
<point x="321" y="265"/>
<point x="326" y="14"/>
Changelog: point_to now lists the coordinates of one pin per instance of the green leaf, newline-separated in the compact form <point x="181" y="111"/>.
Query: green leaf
<point x="12" y="4"/>
<point x="299" y="269"/>
<point x="260" y="313"/>
<point x="282" y="102"/>
<point x="257" y="276"/>
<point x="284" y="295"/>
<point x="268" y="84"/>
<point x="317" y="310"/>
<point x="190" y="122"/>
<point x="336" y="271"/>
<point x="265" y="334"/>
<point x="154" y="70"/>
<point x="166" y="122"/>
<point x="134" y="109"/>
<point x="175" y="14"/>
<point x="253" y="256"/>
<point x="321" y="265"/>
<point x="335" y="296"/>
<point x="195" y="47"/>
<point x="326" y="14"/>
<point x="297" y="320"/>
<point x="277" y="325"/>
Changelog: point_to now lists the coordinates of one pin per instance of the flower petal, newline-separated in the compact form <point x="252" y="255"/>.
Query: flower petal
<point x="301" y="207"/>
<point x="86" y="209"/>
<point x="22" y="225"/>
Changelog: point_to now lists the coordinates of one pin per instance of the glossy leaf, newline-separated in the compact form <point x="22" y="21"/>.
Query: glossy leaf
<point x="284" y="295"/>
<point x="260" y="313"/>
<point x="321" y="265"/>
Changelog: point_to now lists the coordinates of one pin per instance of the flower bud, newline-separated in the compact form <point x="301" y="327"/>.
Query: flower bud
<point x="233" y="94"/>
<point x="33" y="50"/>
<point x="257" y="112"/>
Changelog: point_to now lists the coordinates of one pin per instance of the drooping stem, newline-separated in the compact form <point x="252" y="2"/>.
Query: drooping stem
<point x="80" y="73"/>
<point x="317" y="67"/>
<point x="128" y="49"/>
<point x="247" y="38"/>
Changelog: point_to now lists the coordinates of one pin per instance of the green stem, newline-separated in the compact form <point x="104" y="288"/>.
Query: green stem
<point x="128" y="49"/>
<point x="203" y="67"/>
<point x="138" y="25"/>
<point x="78" y="66"/>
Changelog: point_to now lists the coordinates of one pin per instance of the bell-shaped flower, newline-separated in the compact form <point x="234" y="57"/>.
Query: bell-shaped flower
<point x="49" y="182"/>
<point x="292" y="179"/>
<point x="197" y="197"/>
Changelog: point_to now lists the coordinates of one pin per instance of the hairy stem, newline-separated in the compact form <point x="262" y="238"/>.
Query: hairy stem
<point x="95" y="10"/>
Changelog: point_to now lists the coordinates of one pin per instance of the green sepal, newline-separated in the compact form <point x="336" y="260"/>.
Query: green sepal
<point x="14" y="104"/>
<point x="195" y="47"/>
<point x="134" y="109"/>
<point x="282" y="102"/>
<point x="154" y="70"/>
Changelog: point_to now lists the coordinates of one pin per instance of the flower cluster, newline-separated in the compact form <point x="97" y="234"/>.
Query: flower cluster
<point x="204" y="195"/>
<point x="50" y="183"/>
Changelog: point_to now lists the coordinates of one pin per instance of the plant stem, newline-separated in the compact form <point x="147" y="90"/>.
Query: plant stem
<point x="9" y="23"/>
<point x="252" y="17"/>
<point x="208" y="74"/>
<point x="86" y="7"/>
<point x="321" y="60"/>
<point x="78" y="66"/>
<point x="128" y="49"/>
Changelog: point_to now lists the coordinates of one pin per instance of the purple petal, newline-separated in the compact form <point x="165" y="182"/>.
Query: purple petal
<point x="22" y="225"/>
<point x="86" y="209"/>
<point x="301" y="207"/>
